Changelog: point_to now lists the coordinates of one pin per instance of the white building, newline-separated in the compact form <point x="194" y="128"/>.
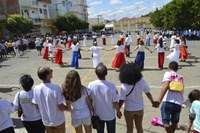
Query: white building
<point x="38" y="11"/>
<point x="60" y="7"/>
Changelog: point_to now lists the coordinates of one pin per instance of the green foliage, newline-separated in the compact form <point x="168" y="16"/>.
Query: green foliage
<point x="98" y="27"/>
<point x="156" y="18"/>
<point x="18" y="24"/>
<point x="179" y="14"/>
<point x="70" y="22"/>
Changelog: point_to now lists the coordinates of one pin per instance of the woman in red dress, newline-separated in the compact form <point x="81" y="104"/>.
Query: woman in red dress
<point x="45" y="45"/>
<point x="119" y="57"/>
<point x="58" y="58"/>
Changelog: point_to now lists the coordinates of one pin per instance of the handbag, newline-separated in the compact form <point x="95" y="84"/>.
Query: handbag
<point x="95" y="122"/>
<point x="94" y="119"/>
<point x="19" y="110"/>
<point x="131" y="90"/>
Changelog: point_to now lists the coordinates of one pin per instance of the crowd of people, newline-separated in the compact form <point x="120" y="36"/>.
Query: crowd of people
<point x="44" y="105"/>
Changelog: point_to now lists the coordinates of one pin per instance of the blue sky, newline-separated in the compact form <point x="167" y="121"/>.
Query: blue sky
<point x="117" y="9"/>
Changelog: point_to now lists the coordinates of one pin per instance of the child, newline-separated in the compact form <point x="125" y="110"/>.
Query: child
<point x="172" y="100"/>
<point x="31" y="117"/>
<point x="139" y="60"/>
<point x="194" y="116"/>
<point x="6" y="123"/>
<point x="50" y="49"/>
<point x="119" y="57"/>
<point x="161" y="52"/>
<point x="77" y="97"/>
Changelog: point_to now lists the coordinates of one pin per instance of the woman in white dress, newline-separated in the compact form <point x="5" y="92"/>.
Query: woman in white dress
<point x="96" y="54"/>
<point x="174" y="56"/>
<point x="84" y="40"/>
<point x="112" y="39"/>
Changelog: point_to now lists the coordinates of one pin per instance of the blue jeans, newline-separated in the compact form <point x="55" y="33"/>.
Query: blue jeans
<point x="110" y="126"/>
<point x="170" y="113"/>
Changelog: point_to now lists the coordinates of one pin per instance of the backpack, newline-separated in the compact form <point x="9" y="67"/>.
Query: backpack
<point x="176" y="83"/>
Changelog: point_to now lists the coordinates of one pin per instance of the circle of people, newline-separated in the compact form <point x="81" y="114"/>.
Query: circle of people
<point x="178" y="46"/>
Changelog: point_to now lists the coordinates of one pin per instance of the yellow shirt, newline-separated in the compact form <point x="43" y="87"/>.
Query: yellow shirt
<point x="9" y="44"/>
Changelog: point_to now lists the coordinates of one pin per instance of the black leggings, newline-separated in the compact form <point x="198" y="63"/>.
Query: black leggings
<point x="8" y="130"/>
<point x="34" y="126"/>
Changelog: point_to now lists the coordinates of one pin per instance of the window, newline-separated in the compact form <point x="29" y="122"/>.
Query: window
<point x="40" y="11"/>
<point x="45" y="11"/>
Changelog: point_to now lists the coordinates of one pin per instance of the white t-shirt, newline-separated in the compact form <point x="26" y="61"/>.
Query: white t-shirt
<point x="75" y="47"/>
<point x="48" y="96"/>
<point x="119" y="48"/>
<point x="6" y="108"/>
<point x="50" y="47"/>
<point x="127" y="41"/>
<point x="159" y="49"/>
<point x="95" y="50"/>
<point x="79" y="107"/>
<point x="30" y="112"/>
<point x="103" y="94"/>
<point x="134" y="101"/>
<point x="195" y="109"/>
<point x="141" y="48"/>
<point x="171" y="96"/>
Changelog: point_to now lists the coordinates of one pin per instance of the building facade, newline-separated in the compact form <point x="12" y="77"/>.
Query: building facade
<point x="133" y="24"/>
<point x="60" y="7"/>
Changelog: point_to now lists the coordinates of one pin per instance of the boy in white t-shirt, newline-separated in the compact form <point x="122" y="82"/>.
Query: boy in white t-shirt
<point x="172" y="101"/>
<point x="6" y="123"/>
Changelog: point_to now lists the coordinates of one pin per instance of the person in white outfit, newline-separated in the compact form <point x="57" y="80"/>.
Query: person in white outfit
<point x="31" y="117"/>
<point x="84" y="40"/>
<point x="50" y="101"/>
<point x="6" y="123"/>
<point x="77" y="98"/>
<point x="112" y="39"/>
<point x="105" y="99"/>
<point x="174" y="56"/>
<point x="96" y="53"/>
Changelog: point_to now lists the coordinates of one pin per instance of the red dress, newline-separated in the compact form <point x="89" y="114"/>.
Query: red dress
<point x="119" y="60"/>
<point x="45" y="56"/>
<point x="58" y="58"/>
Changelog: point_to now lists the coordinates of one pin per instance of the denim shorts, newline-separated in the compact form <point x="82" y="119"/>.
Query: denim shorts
<point x="85" y="121"/>
<point x="170" y="113"/>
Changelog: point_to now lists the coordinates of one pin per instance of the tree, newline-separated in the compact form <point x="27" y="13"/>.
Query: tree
<point x="156" y="18"/>
<point x="98" y="27"/>
<point x="179" y="14"/>
<point x="18" y="24"/>
<point x="70" y="22"/>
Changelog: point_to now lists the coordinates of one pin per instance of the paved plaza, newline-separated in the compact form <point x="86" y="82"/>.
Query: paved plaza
<point x="12" y="68"/>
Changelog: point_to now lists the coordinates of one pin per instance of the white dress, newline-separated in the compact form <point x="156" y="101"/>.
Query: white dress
<point x="112" y="40"/>
<point x="96" y="55"/>
<point x="174" y="56"/>
<point x="84" y="41"/>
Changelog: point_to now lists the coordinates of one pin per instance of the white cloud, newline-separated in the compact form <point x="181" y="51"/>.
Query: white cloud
<point x="115" y="2"/>
<point x="95" y="2"/>
<point x="134" y="10"/>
